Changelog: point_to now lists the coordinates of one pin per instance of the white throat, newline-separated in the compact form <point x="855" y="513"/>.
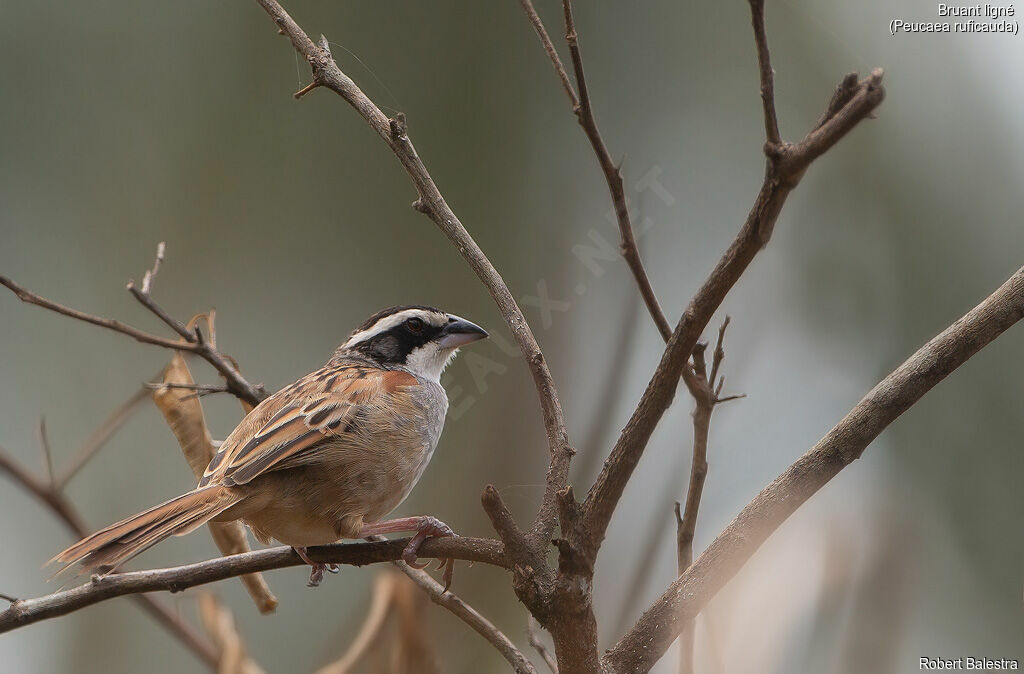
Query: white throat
<point x="429" y="361"/>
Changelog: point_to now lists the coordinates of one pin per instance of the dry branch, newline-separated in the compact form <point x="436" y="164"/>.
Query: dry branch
<point x="471" y="617"/>
<point x="785" y="167"/>
<point x="95" y="442"/>
<point x="394" y="132"/>
<point x="706" y="392"/>
<point x="235" y="382"/>
<point x="176" y="579"/>
<point x="62" y="508"/>
<point x="643" y="645"/>
<point x="533" y="634"/>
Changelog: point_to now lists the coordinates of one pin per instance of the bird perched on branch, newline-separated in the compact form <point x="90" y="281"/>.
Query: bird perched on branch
<point x="325" y="458"/>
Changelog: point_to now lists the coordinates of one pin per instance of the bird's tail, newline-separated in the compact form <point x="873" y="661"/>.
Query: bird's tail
<point x="108" y="548"/>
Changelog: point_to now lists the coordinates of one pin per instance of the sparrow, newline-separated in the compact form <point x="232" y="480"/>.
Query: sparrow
<point x="326" y="457"/>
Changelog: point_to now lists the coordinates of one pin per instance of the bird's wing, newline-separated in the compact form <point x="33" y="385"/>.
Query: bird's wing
<point x="290" y="427"/>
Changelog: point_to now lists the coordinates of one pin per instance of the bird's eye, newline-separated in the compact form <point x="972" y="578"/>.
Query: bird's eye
<point x="414" y="325"/>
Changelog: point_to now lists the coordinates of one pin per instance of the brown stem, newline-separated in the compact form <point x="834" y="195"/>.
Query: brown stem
<point x="648" y="640"/>
<point x="64" y="511"/>
<point x="784" y="170"/>
<point x="236" y="383"/>
<point x="549" y="48"/>
<point x="764" y="61"/>
<point x="533" y="635"/>
<point x="430" y="201"/>
<point x="176" y="579"/>
<point x="95" y="442"/>
<point x="469" y="615"/>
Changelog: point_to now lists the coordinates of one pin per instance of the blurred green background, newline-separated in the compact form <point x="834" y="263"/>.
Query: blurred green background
<point x="124" y="124"/>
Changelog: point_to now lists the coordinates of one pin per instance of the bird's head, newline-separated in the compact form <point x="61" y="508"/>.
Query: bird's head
<point x="423" y="340"/>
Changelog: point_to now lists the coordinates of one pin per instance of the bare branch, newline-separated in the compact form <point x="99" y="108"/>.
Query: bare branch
<point x="198" y="390"/>
<point x="764" y="61"/>
<point x="95" y="442"/>
<point x="326" y="73"/>
<point x="471" y="617"/>
<point x="47" y="450"/>
<point x="533" y="634"/>
<point x="584" y="111"/>
<point x="236" y="383"/>
<point x="143" y="295"/>
<point x="706" y="396"/>
<point x="61" y="507"/>
<point x="783" y="172"/>
<point x="176" y="579"/>
<point x="30" y="297"/>
<point x="643" y="645"/>
<point x="549" y="48"/>
<point x="147" y="280"/>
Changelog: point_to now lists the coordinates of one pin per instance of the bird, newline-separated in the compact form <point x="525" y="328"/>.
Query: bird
<point x="325" y="458"/>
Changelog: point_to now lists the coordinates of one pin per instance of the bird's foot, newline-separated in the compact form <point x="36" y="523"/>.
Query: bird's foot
<point x="316" y="569"/>
<point x="425" y="527"/>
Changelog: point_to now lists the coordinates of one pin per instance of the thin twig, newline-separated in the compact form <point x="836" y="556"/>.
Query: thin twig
<point x="144" y="296"/>
<point x="771" y="121"/>
<point x="176" y="579"/>
<point x="147" y="280"/>
<point x="783" y="172"/>
<point x="533" y="635"/>
<point x="96" y="441"/>
<point x="47" y="450"/>
<point x="469" y="615"/>
<point x="613" y="176"/>
<point x="30" y="297"/>
<point x="706" y="397"/>
<point x="238" y="385"/>
<point x="648" y="640"/>
<point x="430" y="201"/>
<point x="199" y="389"/>
<point x="549" y="48"/>
<point x="64" y="511"/>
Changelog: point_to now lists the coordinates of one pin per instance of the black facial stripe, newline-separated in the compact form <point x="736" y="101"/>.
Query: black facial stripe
<point x="368" y="323"/>
<point x="395" y="345"/>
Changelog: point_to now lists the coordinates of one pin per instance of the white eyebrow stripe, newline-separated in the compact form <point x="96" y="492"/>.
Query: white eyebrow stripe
<point x="388" y="323"/>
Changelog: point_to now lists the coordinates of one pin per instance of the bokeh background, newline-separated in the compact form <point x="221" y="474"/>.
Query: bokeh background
<point x="124" y="124"/>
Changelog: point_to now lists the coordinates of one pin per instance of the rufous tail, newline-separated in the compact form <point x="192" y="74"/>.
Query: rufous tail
<point x="108" y="548"/>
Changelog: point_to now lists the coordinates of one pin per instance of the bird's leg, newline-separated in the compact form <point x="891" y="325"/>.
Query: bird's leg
<point x="425" y="527"/>
<point x="316" y="571"/>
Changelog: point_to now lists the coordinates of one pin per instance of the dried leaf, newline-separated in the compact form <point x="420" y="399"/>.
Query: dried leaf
<point x="184" y="415"/>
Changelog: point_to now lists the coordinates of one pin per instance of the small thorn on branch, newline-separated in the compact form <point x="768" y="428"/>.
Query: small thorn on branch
<point x="305" y="90"/>
<point x="325" y="46"/>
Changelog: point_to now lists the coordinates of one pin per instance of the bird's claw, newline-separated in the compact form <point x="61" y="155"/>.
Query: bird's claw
<point x="431" y="527"/>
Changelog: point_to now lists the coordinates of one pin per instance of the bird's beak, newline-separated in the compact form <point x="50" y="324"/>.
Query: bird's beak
<point x="460" y="332"/>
